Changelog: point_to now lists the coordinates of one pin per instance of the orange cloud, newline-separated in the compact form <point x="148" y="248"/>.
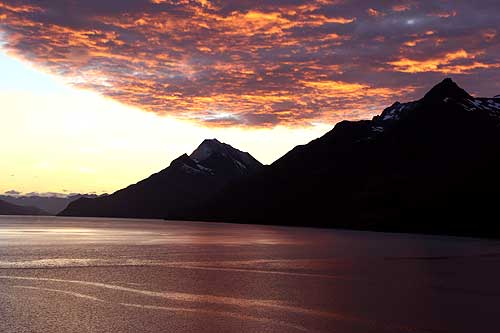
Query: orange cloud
<point x="374" y="12"/>
<point x="444" y="64"/>
<point x="19" y="8"/>
<point x="444" y="14"/>
<point x="401" y="7"/>
<point x="489" y="34"/>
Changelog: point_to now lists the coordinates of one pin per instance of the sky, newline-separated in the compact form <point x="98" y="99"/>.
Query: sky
<point x="96" y="95"/>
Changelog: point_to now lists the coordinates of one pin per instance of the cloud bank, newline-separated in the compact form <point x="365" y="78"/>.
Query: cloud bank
<point x="255" y="63"/>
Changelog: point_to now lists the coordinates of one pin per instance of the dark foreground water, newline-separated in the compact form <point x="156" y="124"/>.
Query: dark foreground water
<point x="105" y="275"/>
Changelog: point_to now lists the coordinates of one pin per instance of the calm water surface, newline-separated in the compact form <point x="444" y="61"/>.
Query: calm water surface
<point x="112" y="275"/>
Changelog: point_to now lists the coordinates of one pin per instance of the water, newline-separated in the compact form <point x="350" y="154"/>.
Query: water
<point x="104" y="275"/>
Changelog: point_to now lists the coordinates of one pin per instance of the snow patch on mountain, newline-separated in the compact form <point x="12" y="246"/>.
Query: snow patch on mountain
<point x="489" y="105"/>
<point x="189" y="169"/>
<point x="205" y="150"/>
<point x="210" y="147"/>
<point x="397" y="111"/>
<point x="202" y="168"/>
<point x="377" y="129"/>
<point x="447" y="92"/>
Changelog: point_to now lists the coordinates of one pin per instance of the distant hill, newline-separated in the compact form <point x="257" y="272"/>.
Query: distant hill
<point x="10" y="209"/>
<point x="51" y="204"/>
<point x="176" y="190"/>
<point x="431" y="165"/>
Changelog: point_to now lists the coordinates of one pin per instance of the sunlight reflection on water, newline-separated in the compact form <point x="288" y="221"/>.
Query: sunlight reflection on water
<point x="22" y="230"/>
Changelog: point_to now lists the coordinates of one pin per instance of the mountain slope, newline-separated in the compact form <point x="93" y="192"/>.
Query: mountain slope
<point x="426" y="166"/>
<point x="51" y="204"/>
<point x="10" y="209"/>
<point x="188" y="181"/>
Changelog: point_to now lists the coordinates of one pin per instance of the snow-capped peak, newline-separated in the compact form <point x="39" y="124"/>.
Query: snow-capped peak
<point x="447" y="92"/>
<point x="209" y="147"/>
<point x="206" y="149"/>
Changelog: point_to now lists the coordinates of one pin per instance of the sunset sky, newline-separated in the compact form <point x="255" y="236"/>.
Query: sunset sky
<point x="95" y="95"/>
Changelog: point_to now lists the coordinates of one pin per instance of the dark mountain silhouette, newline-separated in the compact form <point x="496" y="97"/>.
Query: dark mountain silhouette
<point x="431" y="165"/>
<point x="7" y="208"/>
<point x="51" y="204"/>
<point x="188" y="181"/>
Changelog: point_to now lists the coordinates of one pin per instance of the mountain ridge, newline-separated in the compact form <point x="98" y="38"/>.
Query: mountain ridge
<point x="423" y="166"/>
<point x="184" y="183"/>
<point x="51" y="204"/>
<point x="382" y="174"/>
<point x="7" y="208"/>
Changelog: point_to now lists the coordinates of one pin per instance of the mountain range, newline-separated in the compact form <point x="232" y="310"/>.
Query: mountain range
<point x="430" y="165"/>
<point x="7" y="208"/>
<point x="50" y="204"/>
<point x="175" y="191"/>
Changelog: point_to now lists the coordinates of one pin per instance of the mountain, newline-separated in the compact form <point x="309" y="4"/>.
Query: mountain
<point x="176" y="190"/>
<point x="10" y="209"/>
<point x="431" y="166"/>
<point x="51" y="204"/>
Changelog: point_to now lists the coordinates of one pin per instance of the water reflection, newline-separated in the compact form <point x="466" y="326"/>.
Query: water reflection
<point x="23" y="230"/>
<point x="116" y="275"/>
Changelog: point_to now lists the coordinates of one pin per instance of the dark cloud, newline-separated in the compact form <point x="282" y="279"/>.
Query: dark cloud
<point x="13" y="193"/>
<point x="256" y="62"/>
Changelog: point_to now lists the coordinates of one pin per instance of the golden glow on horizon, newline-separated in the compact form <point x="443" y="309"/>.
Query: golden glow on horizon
<point x="263" y="77"/>
<point x="77" y="141"/>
